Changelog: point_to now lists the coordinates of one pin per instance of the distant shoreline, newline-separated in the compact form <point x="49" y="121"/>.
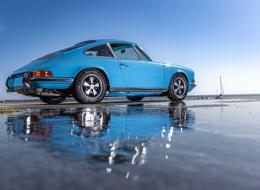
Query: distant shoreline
<point x="189" y="97"/>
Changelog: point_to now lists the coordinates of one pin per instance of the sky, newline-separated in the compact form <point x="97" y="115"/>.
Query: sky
<point x="213" y="37"/>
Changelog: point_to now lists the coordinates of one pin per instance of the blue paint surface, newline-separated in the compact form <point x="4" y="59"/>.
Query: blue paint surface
<point x="68" y="63"/>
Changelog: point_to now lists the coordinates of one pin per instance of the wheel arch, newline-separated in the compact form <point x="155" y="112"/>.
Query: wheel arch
<point x="179" y="73"/>
<point x="184" y="74"/>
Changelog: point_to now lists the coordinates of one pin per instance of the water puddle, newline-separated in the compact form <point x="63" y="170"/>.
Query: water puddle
<point x="159" y="146"/>
<point x="114" y="134"/>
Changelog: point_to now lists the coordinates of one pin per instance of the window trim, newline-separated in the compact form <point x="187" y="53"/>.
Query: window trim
<point x="110" y="48"/>
<point x="106" y="44"/>
<point x="142" y="51"/>
<point x="126" y="44"/>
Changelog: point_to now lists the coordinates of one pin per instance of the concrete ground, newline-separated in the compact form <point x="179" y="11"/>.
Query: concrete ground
<point x="155" y="144"/>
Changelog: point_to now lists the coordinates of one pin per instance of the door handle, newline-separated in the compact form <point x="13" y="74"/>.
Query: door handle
<point x="123" y="65"/>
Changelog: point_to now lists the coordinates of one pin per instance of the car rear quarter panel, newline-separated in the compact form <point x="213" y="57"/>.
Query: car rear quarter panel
<point x="70" y="64"/>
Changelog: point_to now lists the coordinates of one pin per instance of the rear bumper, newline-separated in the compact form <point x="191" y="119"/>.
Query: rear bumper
<point x="191" y="86"/>
<point x="33" y="85"/>
<point x="51" y="83"/>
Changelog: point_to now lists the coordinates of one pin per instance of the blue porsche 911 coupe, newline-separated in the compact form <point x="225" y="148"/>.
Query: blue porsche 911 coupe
<point x="93" y="69"/>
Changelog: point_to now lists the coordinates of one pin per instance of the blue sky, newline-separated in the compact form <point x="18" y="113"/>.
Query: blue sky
<point x="211" y="36"/>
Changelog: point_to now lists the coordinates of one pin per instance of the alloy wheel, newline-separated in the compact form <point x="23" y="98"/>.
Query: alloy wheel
<point x="179" y="87"/>
<point x="92" y="86"/>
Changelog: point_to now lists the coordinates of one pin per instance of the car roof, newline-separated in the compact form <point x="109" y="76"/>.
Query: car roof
<point x="102" y="41"/>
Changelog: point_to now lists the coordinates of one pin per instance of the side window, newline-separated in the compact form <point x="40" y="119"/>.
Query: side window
<point x="125" y="51"/>
<point x="101" y="50"/>
<point x="142" y="54"/>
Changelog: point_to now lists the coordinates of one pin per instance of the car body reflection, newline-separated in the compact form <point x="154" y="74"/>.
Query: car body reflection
<point x="110" y="135"/>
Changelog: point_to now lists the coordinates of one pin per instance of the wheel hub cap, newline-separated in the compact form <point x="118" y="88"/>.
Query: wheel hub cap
<point x="179" y="87"/>
<point x="91" y="86"/>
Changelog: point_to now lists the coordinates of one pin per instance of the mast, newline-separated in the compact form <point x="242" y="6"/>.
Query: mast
<point x="221" y="86"/>
<point x="221" y="89"/>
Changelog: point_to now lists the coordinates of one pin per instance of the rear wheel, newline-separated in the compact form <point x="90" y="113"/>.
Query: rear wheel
<point x="178" y="88"/>
<point x="135" y="98"/>
<point x="90" y="87"/>
<point x="52" y="99"/>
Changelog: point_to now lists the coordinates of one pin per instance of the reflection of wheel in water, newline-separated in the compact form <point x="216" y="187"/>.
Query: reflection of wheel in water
<point x="92" y="118"/>
<point x="91" y="122"/>
<point x="177" y="104"/>
<point x="178" y="114"/>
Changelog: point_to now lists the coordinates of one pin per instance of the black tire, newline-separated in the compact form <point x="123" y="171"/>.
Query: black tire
<point x="90" y="87"/>
<point x="135" y="98"/>
<point x="178" y="88"/>
<point x="52" y="99"/>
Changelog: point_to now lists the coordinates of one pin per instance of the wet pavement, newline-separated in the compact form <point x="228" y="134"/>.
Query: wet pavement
<point x="204" y="144"/>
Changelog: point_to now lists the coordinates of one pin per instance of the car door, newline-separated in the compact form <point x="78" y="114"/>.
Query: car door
<point x="101" y="56"/>
<point x="138" y="73"/>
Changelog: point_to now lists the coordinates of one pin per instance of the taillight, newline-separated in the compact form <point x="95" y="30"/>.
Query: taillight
<point x="28" y="76"/>
<point x="41" y="74"/>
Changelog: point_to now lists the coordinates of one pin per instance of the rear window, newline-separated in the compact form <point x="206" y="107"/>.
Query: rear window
<point x="101" y="50"/>
<point x="53" y="55"/>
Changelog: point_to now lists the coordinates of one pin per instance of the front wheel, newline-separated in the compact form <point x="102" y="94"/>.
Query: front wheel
<point x="135" y="98"/>
<point x="90" y="87"/>
<point x="178" y="88"/>
<point x="52" y="99"/>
